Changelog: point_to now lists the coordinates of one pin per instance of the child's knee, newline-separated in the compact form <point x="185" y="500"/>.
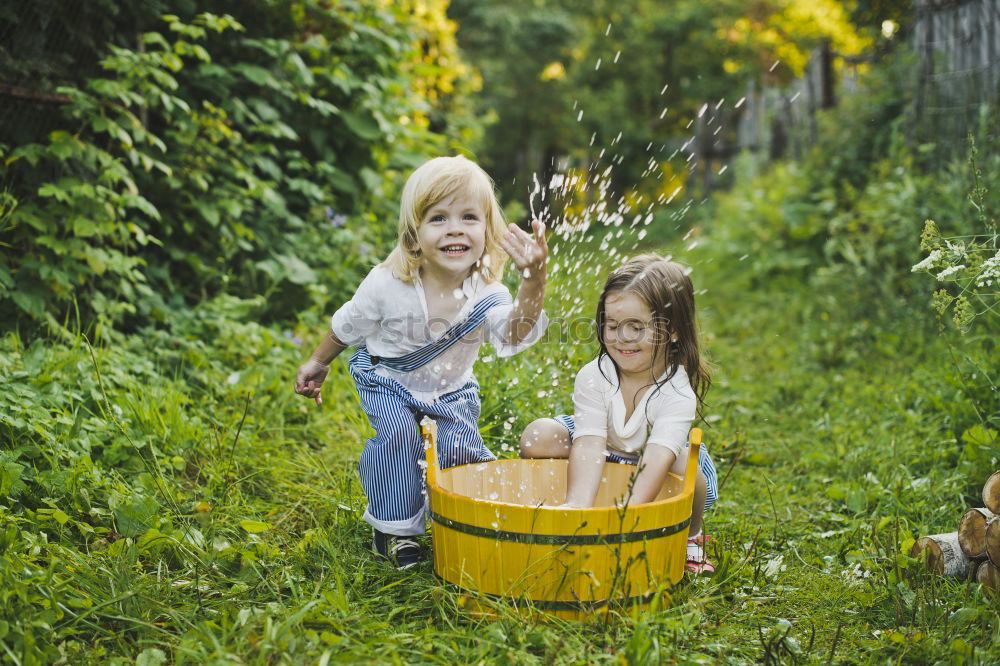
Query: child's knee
<point x="399" y="432"/>
<point x="542" y="438"/>
<point x="530" y="435"/>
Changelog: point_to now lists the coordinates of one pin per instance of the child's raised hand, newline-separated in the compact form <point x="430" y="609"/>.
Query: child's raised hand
<point x="529" y="253"/>
<point x="310" y="378"/>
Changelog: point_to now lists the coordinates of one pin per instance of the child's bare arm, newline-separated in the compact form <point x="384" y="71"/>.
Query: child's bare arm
<point x="328" y="348"/>
<point x="311" y="374"/>
<point x="656" y="461"/>
<point x="586" y="464"/>
<point x="530" y="255"/>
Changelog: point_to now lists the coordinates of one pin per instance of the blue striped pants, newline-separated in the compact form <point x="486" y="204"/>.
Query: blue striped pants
<point x="391" y="463"/>
<point x="704" y="463"/>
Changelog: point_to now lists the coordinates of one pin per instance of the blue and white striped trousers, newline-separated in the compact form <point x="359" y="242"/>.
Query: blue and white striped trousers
<point x="390" y="465"/>
<point x="704" y="463"/>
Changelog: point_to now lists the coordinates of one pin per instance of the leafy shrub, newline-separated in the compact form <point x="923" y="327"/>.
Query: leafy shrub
<point x="219" y="157"/>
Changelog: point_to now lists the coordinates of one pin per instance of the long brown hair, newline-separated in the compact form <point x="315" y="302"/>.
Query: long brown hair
<point x="665" y="287"/>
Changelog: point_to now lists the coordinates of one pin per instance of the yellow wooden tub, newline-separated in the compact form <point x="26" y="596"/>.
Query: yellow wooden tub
<point x="495" y="532"/>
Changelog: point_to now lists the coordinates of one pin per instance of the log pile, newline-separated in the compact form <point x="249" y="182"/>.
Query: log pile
<point x="972" y="552"/>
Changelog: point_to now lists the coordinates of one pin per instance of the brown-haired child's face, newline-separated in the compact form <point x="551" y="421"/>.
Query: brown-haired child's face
<point x="630" y="335"/>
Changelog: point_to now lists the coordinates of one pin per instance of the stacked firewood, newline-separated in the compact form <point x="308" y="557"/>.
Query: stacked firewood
<point x="973" y="552"/>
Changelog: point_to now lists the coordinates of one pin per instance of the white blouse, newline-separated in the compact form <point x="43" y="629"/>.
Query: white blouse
<point x="662" y="416"/>
<point x="390" y="317"/>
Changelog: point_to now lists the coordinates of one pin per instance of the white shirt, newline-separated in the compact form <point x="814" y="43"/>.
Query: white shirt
<point x="390" y="317"/>
<point x="662" y="417"/>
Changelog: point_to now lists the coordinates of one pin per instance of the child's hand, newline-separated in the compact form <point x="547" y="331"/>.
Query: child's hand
<point x="309" y="379"/>
<point x="529" y="254"/>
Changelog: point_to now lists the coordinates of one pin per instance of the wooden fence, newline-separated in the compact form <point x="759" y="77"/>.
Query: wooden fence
<point x="958" y="78"/>
<point x="955" y="87"/>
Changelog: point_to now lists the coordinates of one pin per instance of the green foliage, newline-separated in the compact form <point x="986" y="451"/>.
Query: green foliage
<point x="218" y="158"/>
<point x="160" y="511"/>
<point x="970" y="262"/>
<point x="164" y="497"/>
<point x="866" y="127"/>
<point x="627" y="77"/>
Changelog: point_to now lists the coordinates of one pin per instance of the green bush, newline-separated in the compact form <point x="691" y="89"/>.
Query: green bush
<point x="219" y="158"/>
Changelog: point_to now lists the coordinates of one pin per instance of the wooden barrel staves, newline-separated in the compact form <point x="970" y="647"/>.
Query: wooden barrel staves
<point x="497" y="531"/>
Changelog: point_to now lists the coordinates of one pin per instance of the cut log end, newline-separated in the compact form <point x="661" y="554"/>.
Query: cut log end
<point x="972" y="531"/>
<point x="991" y="493"/>
<point x="988" y="575"/>
<point x="942" y="554"/>
<point x="992" y="540"/>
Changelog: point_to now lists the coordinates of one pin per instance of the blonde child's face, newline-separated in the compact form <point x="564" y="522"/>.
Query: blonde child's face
<point x="452" y="236"/>
<point x="630" y="335"/>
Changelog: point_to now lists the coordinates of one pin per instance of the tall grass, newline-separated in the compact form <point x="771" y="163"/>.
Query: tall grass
<point x="167" y="498"/>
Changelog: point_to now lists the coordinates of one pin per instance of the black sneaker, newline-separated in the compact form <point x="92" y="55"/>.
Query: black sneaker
<point x="402" y="551"/>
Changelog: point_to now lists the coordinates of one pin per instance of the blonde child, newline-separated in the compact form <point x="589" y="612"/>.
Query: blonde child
<point x="636" y="401"/>
<point x="419" y="319"/>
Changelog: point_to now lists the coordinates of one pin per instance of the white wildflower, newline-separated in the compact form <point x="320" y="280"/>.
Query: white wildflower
<point x="855" y="574"/>
<point x="990" y="272"/>
<point x="929" y="262"/>
<point x="951" y="270"/>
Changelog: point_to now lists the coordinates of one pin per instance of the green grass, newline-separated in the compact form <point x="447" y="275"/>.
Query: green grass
<point x="155" y="504"/>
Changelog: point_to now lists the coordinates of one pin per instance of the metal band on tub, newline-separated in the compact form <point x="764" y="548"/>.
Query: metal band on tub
<point x="561" y="539"/>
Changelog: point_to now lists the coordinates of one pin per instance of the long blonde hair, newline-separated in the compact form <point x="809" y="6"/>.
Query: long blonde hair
<point x="666" y="289"/>
<point x="432" y="182"/>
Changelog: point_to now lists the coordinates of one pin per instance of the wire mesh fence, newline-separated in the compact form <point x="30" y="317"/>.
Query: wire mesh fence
<point x="46" y="44"/>
<point x="954" y="91"/>
<point x="958" y="54"/>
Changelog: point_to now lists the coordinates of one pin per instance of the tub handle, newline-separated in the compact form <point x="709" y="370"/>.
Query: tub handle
<point x="428" y="430"/>
<point x="694" y="449"/>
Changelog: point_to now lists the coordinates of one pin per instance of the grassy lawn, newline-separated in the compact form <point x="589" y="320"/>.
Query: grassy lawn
<point x="182" y="503"/>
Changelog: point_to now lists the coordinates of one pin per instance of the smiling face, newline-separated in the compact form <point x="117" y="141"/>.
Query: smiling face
<point x="451" y="236"/>
<point x="631" y="336"/>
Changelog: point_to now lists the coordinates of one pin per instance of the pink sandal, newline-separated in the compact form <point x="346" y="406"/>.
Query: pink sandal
<point x="697" y="562"/>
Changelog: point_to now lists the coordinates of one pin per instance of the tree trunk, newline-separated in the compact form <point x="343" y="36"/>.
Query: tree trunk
<point x="942" y="554"/>
<point x="991" y="493"/>
<point x="988" y="575"/>
<point x="993" y="542"/>
<point x="972" y="532"/>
